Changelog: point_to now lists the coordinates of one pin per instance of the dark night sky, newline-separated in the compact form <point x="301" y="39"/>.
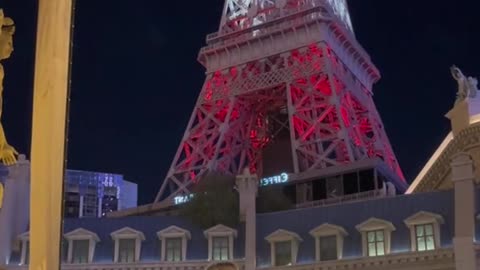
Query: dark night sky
<point x="135" y="77"/>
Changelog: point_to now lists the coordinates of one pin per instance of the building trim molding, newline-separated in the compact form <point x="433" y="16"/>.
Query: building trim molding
<point x="439" y="165"/>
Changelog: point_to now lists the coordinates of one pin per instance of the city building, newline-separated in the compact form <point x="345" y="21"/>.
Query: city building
<point x="323" y="147"/>
<point x="87" y="195"/>
<point x="424" y="230"/>
<point x="93" y="194"/>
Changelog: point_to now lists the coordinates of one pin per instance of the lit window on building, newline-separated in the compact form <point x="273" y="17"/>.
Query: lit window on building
<point x="90" y="205"/>
<point x="425" y="237"/>
<point x="283" y="253"/>
<point x="126" y="250"/>
<point x="376" y="243"/>
<point x="80" y="250"/>
<point x="220" y="246"/>
<point x="173" y="249"/>
<point x="328" y="248"/>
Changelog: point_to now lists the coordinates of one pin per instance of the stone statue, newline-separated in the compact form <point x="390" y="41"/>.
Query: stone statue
<point x="7" y="29"/>
<point x="467" y="86"/>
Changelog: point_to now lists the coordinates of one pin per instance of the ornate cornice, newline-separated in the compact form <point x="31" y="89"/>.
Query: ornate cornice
<point x="464" y="141"/>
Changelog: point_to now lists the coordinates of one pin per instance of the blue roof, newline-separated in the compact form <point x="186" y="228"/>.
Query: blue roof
<point x="300" y="221"/>
<point x="395" y="210"/>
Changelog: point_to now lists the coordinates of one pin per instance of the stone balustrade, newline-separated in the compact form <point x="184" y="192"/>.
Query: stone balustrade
<point x="438" y="259"/>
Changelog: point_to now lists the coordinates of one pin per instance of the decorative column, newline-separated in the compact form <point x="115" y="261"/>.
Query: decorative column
<point x="48" y="132"/>
<point x="247" y="186"/>
<point x="463" y="241"/>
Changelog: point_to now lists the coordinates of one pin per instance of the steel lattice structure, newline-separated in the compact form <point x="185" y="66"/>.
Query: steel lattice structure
<point x="297" y="58"/>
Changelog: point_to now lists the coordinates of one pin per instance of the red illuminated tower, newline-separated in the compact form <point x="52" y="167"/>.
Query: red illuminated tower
<point x="284" y="74"/>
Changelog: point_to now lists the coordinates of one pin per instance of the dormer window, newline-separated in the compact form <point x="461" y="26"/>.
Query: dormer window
<point x="174" y="244"/>
<point x="127" y="245"/>
<point x="376" y="237"/>
<point x="24" y="239"/>
<point x="283" y="247"/>
<point x="220" y="242"/>
<point x="424" y="230"/>
<point x="81" y="246"/>
<point x="425" y="237"/>
<point x="221" y="248"/>
<point x="328" y="242"/>
<point x="376" y="243"/>
<point x="126" y="250"/>
<point x="80" y="250"/>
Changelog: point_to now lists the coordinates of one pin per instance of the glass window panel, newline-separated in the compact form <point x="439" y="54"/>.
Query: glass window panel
<point x="371" y="237"/>
<point x="430" y="243"/>
<point x="380" y="248"/>
<point x="126" y="250"/>
<point x="425" y="237"/>
<point x="379" y="235"/>
<point x="283" y="253"/>
<point x="80" y="251"/>
<point x="429" y="229"/>
<point x="376" y="243"/>
<point x="220" y="246"/>
<point x="419" y="231"/>
<point x="328" y="248"/>
<point x="173" y="249"/>
<point x="421" y="244"/>
<point x="372" y="251"/>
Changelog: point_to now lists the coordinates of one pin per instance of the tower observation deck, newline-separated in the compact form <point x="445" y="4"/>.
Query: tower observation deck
<point x="288" y="89"/>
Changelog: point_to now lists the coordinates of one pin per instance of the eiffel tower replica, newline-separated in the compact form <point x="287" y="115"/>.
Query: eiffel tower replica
<point x="287" y="85"/>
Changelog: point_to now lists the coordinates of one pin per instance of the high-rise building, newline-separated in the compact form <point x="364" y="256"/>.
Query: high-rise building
<point x="288" y="89"/>
<point x="93" y="194"/>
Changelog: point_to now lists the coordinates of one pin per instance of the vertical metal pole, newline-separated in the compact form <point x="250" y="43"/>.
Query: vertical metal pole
<point x="49" y="131"/>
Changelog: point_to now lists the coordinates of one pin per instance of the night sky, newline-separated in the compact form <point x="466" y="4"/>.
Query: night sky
<point x="135" y="77"/>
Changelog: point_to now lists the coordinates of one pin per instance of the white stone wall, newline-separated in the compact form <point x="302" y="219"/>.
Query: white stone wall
<point x="14" y="215"/>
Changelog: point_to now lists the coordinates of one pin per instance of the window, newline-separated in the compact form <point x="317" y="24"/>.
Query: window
<point x="376" y="236"/>
<point x="80" y="245"/>
<point x="220" y="242"/>
<point x="173" y="249"/>
<point x="283" y="253"/>
<point x="334" y="187"/>
<point x="283" y="247"/>
<point x="126" y="250"/>
<point x="174" y="243"/>
<point x="80" y="249"/>
<point x="127" y="245"/>
<point x="425" y="237"/>
<point x="376" y="243"/>
<point x="328" y="241"/>
<point x="424" y="230"/>
<point x="220" y="248"/>
<point x="328" y="248"/>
